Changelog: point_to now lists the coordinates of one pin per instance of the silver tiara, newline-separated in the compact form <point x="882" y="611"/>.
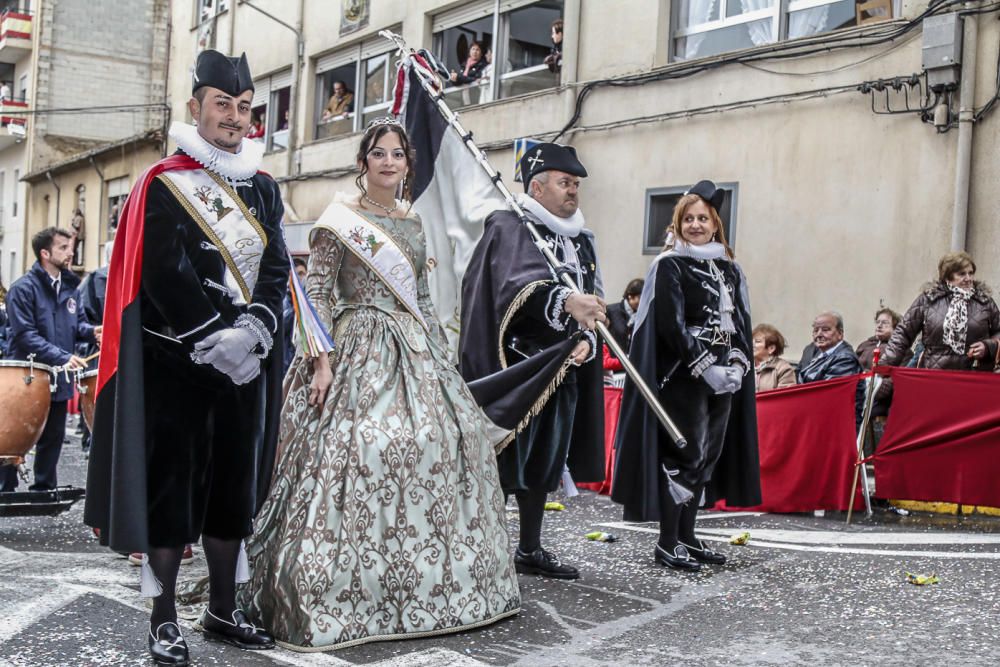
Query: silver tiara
<point x="382" y="120"/>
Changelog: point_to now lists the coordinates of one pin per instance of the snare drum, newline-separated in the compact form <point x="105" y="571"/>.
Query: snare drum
<point x="25" y="396"/>
<point x="86" y="384"/>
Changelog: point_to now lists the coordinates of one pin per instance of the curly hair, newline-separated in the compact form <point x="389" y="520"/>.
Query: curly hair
<point x="369" y="140"/>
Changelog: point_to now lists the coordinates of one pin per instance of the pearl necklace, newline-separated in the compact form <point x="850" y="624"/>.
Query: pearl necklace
<point x="388" y="210"/>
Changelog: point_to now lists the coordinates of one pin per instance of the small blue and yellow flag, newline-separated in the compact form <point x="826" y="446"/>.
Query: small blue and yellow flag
<point x="522" y="146"/>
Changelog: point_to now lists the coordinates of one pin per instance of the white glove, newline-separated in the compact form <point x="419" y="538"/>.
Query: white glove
<point x="735" y="373"/>
<point x="718" y="379"/>
<point x="230" y="352"/>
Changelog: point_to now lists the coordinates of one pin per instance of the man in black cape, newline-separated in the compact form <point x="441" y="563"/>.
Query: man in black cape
<point x="519" y="319"/>
<point x="189" y="383"/>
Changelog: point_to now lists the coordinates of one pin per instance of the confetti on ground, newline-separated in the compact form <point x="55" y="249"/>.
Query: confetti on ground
<point x="600" y="536"/>
<point x="922" y="579"/>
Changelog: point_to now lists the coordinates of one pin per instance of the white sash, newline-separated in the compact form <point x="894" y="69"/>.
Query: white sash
<point x="226" y="221"/>
<point x="377" y="250"/>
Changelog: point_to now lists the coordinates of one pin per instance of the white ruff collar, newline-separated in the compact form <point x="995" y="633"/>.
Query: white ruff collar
<point x="239" y="166"/>
<point x="571" y="226"/>
<point x="710" y="250"/>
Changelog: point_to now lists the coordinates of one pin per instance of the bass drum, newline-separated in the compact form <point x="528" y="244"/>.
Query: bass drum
<point x="25" y="397"/>
<point x="86" y="384"/>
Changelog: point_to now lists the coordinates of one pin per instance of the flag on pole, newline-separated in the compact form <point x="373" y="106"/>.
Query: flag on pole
<point x="522" y="146"/>
<point x="451" y="192"/>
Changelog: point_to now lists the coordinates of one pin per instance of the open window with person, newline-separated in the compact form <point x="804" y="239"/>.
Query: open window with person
<point x="278" y="122"/>
<point x="476" y="44"/>
<point x="335" y="100"/>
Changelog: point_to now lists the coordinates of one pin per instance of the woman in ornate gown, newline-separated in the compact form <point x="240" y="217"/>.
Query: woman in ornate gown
<point x="385" y="518"/>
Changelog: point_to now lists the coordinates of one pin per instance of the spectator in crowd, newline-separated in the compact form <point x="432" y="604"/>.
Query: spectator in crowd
<point x="5" y="91"/>
<point x="474" y="66"/>
<point x="886" y="320"/>
<point x="484" y="79"/>
<point x="288" y="314"/>
<point x="340" y="103"/>
<point x="554" y="59"/>
<point x="92" y="291"/>
<point x="833" y="358"/>
<point x="957" y="318"/>
<point x="621" y="315"/>
<point x="256" y="130"/>
<point x="771" y="370"/>
<point x="45" y="321"/>
<point x="284" y="122"/>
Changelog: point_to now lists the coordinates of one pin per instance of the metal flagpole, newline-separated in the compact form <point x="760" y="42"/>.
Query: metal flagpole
<point x="437" y="95"/>
<point x="872" y="385"/>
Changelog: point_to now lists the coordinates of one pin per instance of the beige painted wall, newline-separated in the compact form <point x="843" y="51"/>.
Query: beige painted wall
<point x="129" y="162"/>
<point x="838" y="207"/>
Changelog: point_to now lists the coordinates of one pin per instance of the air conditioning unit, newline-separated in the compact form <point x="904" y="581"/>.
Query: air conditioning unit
<point x="16" y="130"/>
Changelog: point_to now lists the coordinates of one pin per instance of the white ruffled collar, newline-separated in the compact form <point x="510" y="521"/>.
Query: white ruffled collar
<point x="571" y="226"/>
<point x="233" y="167"/>
<point x="710" y="250"/>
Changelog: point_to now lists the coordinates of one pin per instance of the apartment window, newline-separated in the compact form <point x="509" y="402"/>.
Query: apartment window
<point x="353" y="86"/>
<point x="117" y="190"/>
<point x="17" y="192"/>
<point x="514" y="37"/>
<point x="708" y="27"/>
<point x="660" y="203"/>
<point x="209" y="9"/>
<point x="3" y="197"/>
<point x="270" y="106"/>
<point x="22" y="89"/>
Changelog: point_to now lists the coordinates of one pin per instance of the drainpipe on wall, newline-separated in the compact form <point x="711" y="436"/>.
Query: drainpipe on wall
<point x="48" y="175"/>
<point x="963" y="156"/>
<point x="571" y="53"/>
<point x="100" y="208"/>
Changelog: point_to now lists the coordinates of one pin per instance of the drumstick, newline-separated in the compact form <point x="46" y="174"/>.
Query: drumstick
<point x="87" y="360"/>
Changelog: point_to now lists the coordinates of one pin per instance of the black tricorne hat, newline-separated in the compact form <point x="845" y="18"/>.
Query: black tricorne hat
<point x="545" y="157"/>
<point x="230" y="75"/>
<point x="707" y="191"/>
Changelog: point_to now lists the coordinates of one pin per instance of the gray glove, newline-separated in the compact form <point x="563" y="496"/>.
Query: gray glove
<point x="735" y="373"/>
<point x="718" y="378"/>
<point x="230" y="352"/>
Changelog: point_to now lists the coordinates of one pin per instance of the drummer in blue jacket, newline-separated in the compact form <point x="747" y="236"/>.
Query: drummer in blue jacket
<point x="46" y="321"/>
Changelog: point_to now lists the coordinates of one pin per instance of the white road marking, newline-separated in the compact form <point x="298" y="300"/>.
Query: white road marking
<point x="818" y="546"/>
<point x="704" y="516"/>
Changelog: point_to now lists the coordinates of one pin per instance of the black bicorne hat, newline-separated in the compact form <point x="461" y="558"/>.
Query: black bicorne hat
<point x="230" y="75"/>
<point x="544" y="157"/>
<point x="707" y="191"/>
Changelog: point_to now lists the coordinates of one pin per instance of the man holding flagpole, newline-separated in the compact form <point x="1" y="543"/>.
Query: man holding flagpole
<point x="516" y="309"/>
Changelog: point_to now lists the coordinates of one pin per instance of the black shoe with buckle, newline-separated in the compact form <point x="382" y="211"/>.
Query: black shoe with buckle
<point x="677" y="558"/>
<point x="543" y="563"/>
<point x="167" y="646"/>
<point x="238" y="631"/>
<point x="703" y="554"/>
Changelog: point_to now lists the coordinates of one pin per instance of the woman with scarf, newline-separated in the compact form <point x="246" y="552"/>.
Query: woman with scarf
<point x="957" y="319"/>
<point x="474" y="66"/>
<point x="692" y="341"/>
<point x="385" y="519"/>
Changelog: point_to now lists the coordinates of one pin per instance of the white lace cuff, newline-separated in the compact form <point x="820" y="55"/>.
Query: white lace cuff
<point x="255" y="326"/>
<point x="699" y="365"/>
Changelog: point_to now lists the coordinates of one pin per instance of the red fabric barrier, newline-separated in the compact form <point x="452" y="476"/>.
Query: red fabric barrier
<point x="942" y="439"/>
<point x="612" y="404"/>
<point x="807" y="447"/>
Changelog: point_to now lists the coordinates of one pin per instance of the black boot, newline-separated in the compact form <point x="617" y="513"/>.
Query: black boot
<point x="167" y="646"/>
<point x="669" y="551"/>
<point x="236" y="630"/>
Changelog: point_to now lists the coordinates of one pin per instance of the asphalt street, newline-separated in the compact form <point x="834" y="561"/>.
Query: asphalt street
<point x="804" y="590"/>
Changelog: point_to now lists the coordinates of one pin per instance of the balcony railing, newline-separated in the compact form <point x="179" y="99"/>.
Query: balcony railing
<point x="15" y="25"/>
<point x="8" y="118"/>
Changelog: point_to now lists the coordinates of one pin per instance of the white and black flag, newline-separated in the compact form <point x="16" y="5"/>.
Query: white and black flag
<point x="451" y="192"/>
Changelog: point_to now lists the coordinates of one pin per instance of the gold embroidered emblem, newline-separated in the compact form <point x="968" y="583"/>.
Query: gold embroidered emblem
<point x="366" y="242"/>
<point x="213" y="200"/>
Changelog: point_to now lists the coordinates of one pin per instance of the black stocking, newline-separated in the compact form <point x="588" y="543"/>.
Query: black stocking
<point x="165" y="561"/>
<point x="222" y="556"/>
<point x="670" y="515"/>
<point x="689" y="513"/>
<point x="531" y="509"/>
